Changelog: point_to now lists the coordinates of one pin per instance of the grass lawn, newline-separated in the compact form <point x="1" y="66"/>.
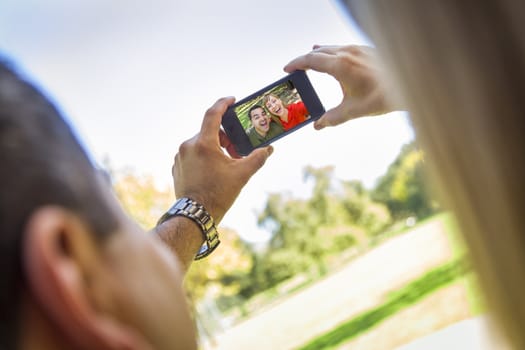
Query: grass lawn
<point x="457" y="271"/>
<point x="398" y="300"/>
<point x="411" y="279"/>
<point x="459" y="249"/>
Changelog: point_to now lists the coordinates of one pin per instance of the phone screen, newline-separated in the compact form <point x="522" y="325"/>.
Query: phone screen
<point x="272" y="112"/>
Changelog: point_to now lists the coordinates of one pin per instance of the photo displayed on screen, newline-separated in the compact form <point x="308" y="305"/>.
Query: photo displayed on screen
<point x="272" y="113"/>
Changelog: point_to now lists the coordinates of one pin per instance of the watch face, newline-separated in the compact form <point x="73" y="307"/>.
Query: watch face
<point x="209" y="245"/>
<point x="203" y="249"/>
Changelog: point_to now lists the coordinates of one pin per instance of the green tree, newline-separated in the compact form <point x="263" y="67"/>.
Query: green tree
<point x="362" y="211"/>
<point x="319" y="201"/>
<point x="221" y="274"/>
<point x="141" y="197"/>
<point x="294" y="231"/>
<point x="403" y="189"/>
<point x="306" y="232"/>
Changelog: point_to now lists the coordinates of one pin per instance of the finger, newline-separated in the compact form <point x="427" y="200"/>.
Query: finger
<point x="213" y="116"/>
<point x="329" y="49"/>
<point x="255" y="160"/>
<point x="344" y="112"/>
<point x="225" y="142"/>
<point x="357" y="52"/>
<point x="338" y="115"/>
<point x="318" y="61"/>
<point x="232" y="151"/>
<point x="327" y="119"/>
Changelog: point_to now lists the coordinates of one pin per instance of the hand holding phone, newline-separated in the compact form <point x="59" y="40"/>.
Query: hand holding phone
<point x="272" y="112"/>
<point x="358" y="71"/>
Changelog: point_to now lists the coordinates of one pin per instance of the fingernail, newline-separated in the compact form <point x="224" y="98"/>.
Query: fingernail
<point x="270" y="150"/>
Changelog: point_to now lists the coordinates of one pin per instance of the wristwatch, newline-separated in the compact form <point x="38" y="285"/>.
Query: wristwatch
<point x="195" y="211"/>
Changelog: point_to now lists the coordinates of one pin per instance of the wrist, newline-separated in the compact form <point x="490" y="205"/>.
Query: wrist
<point x="196" y="212"/>
<point x="212" y="206"/>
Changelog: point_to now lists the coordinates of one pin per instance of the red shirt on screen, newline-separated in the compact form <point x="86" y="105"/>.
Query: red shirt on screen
<point x="297" y="114"/>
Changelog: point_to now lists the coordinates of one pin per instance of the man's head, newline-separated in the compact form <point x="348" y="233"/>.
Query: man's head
<point x="73" y="266"/>
<point x="260" y="120"/>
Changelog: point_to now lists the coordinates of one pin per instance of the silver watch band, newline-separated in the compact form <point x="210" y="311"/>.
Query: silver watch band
<point x="195" y="211"/>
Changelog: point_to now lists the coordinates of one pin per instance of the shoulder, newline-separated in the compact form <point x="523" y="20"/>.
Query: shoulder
<point x="298" y="110"/>
<point x="298" y="105"/>
<point x="276" y="125"/>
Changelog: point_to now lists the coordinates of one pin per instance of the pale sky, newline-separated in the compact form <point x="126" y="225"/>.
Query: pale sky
<point x="134" y="78"/>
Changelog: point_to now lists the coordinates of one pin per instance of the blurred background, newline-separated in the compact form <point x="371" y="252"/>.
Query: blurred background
<point x="336" y="243"/>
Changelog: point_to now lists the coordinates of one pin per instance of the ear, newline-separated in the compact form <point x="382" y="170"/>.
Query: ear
<point x="64" y="266"/>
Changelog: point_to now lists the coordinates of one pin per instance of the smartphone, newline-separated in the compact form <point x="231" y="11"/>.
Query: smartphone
<point x="272" y="113"/>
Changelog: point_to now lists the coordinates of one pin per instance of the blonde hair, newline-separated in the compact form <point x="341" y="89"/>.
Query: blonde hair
<point x="266" y="97"/>
<point x="459" y="67"/>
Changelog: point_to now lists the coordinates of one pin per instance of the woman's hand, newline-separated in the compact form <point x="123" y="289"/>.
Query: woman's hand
<point x="357" y="70"/>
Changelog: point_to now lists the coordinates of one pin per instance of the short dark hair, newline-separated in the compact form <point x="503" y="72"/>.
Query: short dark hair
<point x="42" y="164"/>
<point x="252" y="108"/>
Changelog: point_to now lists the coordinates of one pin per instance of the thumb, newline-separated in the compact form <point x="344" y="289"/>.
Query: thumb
<point x="332" y="117"/>
<point x="338" y="115"/>
<point x="255" y="160"/>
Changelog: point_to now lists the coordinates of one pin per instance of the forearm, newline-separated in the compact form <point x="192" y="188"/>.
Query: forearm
<point x="182" y="236"/>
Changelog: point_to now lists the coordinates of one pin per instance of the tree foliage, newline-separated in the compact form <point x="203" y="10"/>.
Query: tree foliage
<point x="220" y="274"/>
<point x="403" y="189"/>
<point x="306" y="233"/>
<point x="141" y="198"/>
